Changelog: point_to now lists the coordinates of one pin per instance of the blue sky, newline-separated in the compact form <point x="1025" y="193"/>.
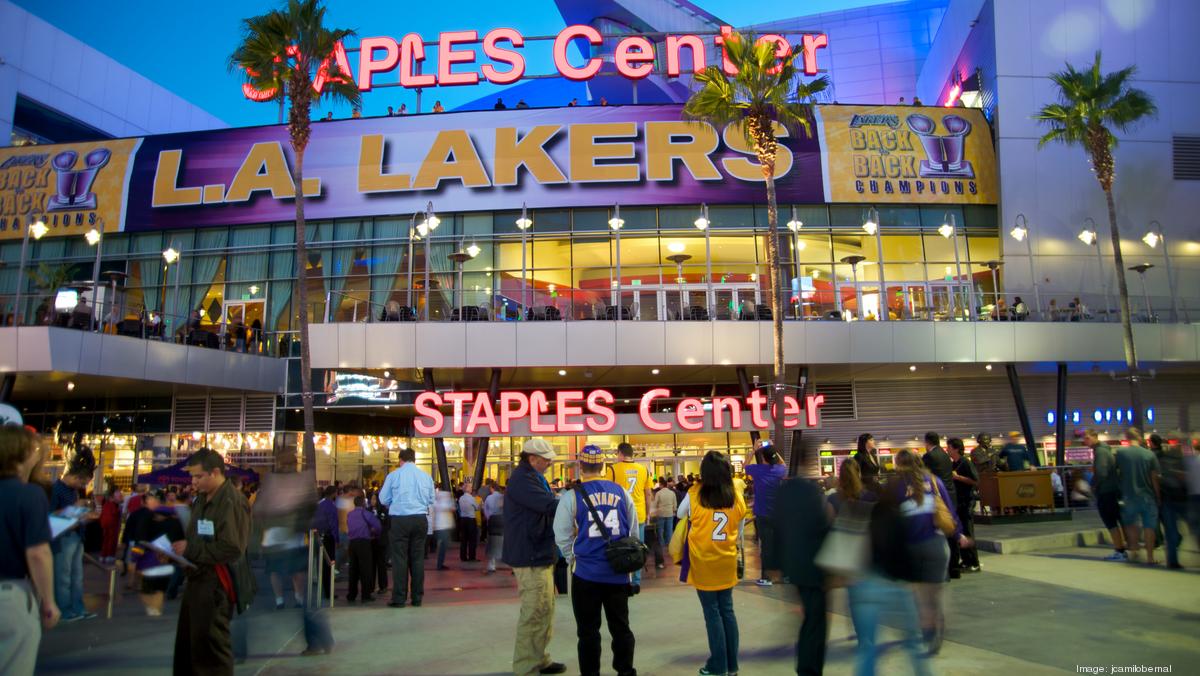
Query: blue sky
<point x="184" y="45"/>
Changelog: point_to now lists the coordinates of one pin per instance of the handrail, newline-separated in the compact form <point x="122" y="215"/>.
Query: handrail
<point x="314" y="542"/>
<point x="112" y="581"/>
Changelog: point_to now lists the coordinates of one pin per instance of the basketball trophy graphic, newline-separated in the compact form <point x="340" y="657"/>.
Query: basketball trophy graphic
<point x="75" y="185"/>
<point x="944" y="153"/>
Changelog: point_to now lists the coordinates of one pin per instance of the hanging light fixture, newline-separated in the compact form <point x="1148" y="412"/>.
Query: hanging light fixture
<point x="1152" y="239"/>
<point x="702" y="222"/>
<point x="946" y="230"/>
<point x="1087" y="235"/>
<point x="524" y="221"/>
<point x="1021" y="230"/>
<point x="794" y="223"/>
<point x="871" y="224"/>
<point x="616" y="222"/>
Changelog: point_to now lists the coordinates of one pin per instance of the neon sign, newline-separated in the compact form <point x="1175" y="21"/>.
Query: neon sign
<point x="633" y="56"/>
<point x="579" y="412"/>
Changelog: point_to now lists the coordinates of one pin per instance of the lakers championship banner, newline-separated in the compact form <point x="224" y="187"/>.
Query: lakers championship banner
<point x="71" y="187"/>
<point x="907" y="154"/>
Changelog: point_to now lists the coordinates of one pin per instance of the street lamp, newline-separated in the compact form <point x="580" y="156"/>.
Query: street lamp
<point x="871" y="226"/>
<point x="702" y="223"/>
<point x="795" y="225"/>
<point x="173" y="255"/>
<point x="524" y="223"/>
<point x="616" y="223"/>
<point x="1141" y="270"/>
<point x="1152" y="240"/>
<point x="93" y="239"/>
<point x="412" y="234"/>
<point x="426" y="228"/>
<point x="459" y="257"/>
<point x="853" y="262"/>
<point x="679" y="259"/>
<point x="1089" y="237"/>
<point x="1020" y="232"/>
<point x="947" y="230"/>
<point x="38" y="229"/>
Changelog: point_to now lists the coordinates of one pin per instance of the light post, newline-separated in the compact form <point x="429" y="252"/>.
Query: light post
<point x="993" y="266"/>
<point x="679" y="260"/>
<point x="1090" y="238"/>
<point x="853" y="262"/>
<point x="871" y="227"/>
<point x="1141" y="270"/>
<point x="1152" y="239"/>
<point x="616" y="223"/>
<point x="524" y="223"/>
<point x="795" y="224"/>
<point x="173" y="255"/>
<point x="426" y="228"/>
<point x="94" y="238"/>
<point x="412" y="233"/>
<point x="702" y="223"/>
<point x="1020" y="232"/>
<point x="947" y="230"/>
<point x="38" y="229"/>
<point x="459" y="257"/>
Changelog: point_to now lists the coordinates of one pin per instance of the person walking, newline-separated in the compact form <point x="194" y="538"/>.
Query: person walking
<point x="1107" y="489"/>
<point x="1015" y="456"/>
<point x="155" y="572"/>
<point x="529" y="510"/>
<point x="68" y="547"/>
<point x="468" y="526"/>
<point x="714" y="511"/>
<point x="635" y="479"/>
<point x="665" y="504"/>
<point x="939" y="464"/>
<point x="1138" y="472"/>
<point x="799" y="541"/>
<point x="595" y="586"/>
<point x="216" y="545"/>
<point x="27" y="606"/>
<point x="493" y="514"/>
<point x="445" y="520"/>
<point x="361" y="527"/>
<point x="1173" y="487"/>
<point x="768" y="472"/>
<point x="966" y="478"/>
<point x="408" y="493"/>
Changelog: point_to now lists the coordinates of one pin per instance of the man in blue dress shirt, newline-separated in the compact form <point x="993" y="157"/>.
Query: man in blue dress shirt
<point x="408" y="494"/>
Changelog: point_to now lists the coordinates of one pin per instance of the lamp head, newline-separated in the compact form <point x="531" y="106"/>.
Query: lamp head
<point x="946" y="230"/>
<point x="616" y="222"/>
<point x="38" y="229"/>
<point x="524" y="221"/>
<point x="870" y="226"/>
<point x="433" y="221"/>
<point x="1152" y="239"/>
<point x="473" y="250"/>
<point x="92" y="236"/>
<point x="1087" y="236"/>
<point x="795" y="225"/>
<point x="170" y="255"/>
<point x="1019" y="233"/>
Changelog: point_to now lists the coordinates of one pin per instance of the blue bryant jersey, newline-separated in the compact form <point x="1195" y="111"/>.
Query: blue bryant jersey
<point x="609" y="500"/>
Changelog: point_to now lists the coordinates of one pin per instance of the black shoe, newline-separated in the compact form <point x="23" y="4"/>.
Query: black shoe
<point x="443" y="567"/>
<point x="396" y="604"/>
<point x="368" y="599"/>
<point x="636" y="588"/>
<point x="310" y="652"/>
<point x="956" y="574"/>
<point x="416" y="603"/>
<point x="278" y="606"/>
<point x="553" y="668"/>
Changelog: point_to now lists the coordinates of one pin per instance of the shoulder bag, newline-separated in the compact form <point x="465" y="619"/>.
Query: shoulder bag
<point x="846" y="550"/>
<point x="626" y="554"/>
<point x="942" y="519"/>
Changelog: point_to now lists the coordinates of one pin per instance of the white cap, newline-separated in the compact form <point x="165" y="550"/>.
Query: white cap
<point x="540" y="448"/>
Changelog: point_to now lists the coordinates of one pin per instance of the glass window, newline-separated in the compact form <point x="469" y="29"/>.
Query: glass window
<point x="731" y="217"/>
<point x="590" y="219"/>
<point x="639" y="218"/>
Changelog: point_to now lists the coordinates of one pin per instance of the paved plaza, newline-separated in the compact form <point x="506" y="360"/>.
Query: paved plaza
<point x="1040" y="612"/>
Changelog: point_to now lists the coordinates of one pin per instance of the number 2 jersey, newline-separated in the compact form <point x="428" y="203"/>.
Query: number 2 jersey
<point x="580" y="537"/>
<point x="712" y="542"/>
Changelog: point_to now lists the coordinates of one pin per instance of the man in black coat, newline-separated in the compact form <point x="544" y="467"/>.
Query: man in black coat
<point x="801" y="524"/>
<point x="939" y="464"/>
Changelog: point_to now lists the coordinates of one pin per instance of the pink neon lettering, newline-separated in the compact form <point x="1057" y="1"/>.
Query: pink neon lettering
<point x="626" y="57"/>
<point x="458" y="399"/>
<point x="509" y="56"/>
<point x="482" y="414"/>
<point x="811" y="44"/>
<point x="508" y="413"/>
<point x="675" y="43"/>
<point x="812" y="408"/>
<point x="565" y="409"/>
<point x="644" y="410"/>
<point x="538" y="406"/>
<point x="560" y="52"/>
<point x="757" y="403"/>
<point x="719" y="404"/>
<point x="429" y="419"/>
<point x="598" y="404"/>
<point x="368" y="65"/>
<point x="690" y="414"/>
<point x="782" y="47"/>
<point x="447" y="57"/>
<point x="412" y="52"/>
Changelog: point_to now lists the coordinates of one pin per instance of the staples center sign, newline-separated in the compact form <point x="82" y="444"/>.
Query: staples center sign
<point x="579" y="412"/>
<point x="633" y="56"/>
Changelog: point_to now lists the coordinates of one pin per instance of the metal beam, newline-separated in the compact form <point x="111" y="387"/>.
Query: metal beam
<point x="481" y="455"/>
<point x="796" y="458"/>
<point x="1014" y="382"/>
<point x="439" y="444"/>
<point x="744" y="382"/>
<point x="1060" y="418"/>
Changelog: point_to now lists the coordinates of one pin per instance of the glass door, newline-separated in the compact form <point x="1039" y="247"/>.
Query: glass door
<point x="244" y="319"/>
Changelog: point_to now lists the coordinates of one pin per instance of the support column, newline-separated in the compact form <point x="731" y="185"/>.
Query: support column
<point x="796" y="456"/>
<point x="1014" y="382"/>
<point x="439" y="444"/>
<point x="744" y="382"/>
<point x="481" y="455"/>
<point x="1060" y="418"/>
<point x="6" y="386"/>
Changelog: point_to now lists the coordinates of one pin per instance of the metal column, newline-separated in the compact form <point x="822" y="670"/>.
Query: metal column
<point x="6" y="386"/>
<point x="439" y="444"/>
<point x="1060" y="418"/>
<point x="1014" y="382"/>
<point x="744" y="382"/>
<point x="481" y="456"/>
<point x="796" y="458"/>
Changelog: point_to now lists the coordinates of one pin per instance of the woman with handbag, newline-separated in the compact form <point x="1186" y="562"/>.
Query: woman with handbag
<point x="713" y="511"/>
<point x="928" y="521"/>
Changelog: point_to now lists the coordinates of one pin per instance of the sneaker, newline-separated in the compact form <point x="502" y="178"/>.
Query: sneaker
<point x="659" y="566"/>
<point x="763" y="582"/>
<point x="976" y="568"/>
<point x="279" y="605"/>
<point x="705" y="672"/>
<point x="88" y="616"/>
<point x="70" y="618"/>
<point x="1116" y="556"/>
<point x="553" y="668"/>
<point x="637" y="589"/>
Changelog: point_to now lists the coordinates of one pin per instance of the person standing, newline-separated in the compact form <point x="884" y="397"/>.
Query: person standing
<point x="1173" y="485"/>
<point x="529" y="510"/>
<point x="325" y="522"/>
<point x="867" y="457"/>
<point x="361" y="527"/>
<point x="799" y="541"/>
<point x="27" y="606"/>
<point x="216" y="545"/>
<point x="714" y="511"/>
<point x="68" y="547"/>
<point x="635" y="479"/>
<point x="468" y="527"/>
<point x="665" y="504"/>
<point x="1138" y="472"/>
<point x="493" y="514"/>
<point x="768" y="472"/>
<point x="408" y="493"/>
<point x="1107" y="489"/>
<point x="939" y="464"/>
<point x="965" y="479"/>
<point x="595" y="586"/>
<point x="110" y="522"/>
<point x="379" y="543"/>
<point x="444" y="522"/>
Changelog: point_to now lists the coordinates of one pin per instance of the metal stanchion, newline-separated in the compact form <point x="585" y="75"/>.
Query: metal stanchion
<point x="308" y="577"/>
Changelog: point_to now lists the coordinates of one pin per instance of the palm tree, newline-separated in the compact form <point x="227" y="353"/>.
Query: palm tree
<point x="1090" y="105"/>
<point x="766" y="92"/>
<point x="291" y="46"/>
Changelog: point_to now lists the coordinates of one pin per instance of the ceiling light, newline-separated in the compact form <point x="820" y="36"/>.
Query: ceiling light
<point x="912" y="368"/>
<point x="654" y="372"/>
<point x="562" y="372"/>
<point x="387" y="374"/>
<point x="988" y="367"/>
<point x="70" y="386"/>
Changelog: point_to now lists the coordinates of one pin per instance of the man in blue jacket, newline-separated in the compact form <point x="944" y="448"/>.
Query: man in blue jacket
<point x="529" y="507"/>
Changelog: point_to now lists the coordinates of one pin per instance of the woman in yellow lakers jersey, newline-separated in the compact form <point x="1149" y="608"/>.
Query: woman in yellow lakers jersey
<point x="714" y="511"/>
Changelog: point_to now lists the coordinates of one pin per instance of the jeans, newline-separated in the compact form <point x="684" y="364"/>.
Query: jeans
<point x="587" y="600"/>
<point x="443" y="543"/>
<point x="637" y="574"/>
<point x="666" y="529"/>
<point x="1171" y="513"/>
<point x="872" y="599"/>
<point x="721" y="624"/>
<point x="68" y="575"/>
<point x="495" y="548"/>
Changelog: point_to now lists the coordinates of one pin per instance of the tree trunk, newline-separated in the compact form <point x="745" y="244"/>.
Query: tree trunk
<point x="1131" y="361"/>
<point x="777" y="374"/>
<point x="306" y="392"/>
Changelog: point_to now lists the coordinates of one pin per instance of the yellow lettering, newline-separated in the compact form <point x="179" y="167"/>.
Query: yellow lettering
<point x="370" y="168"/>
<point x="662" y="150"/>
<point x="745" y="170"/>
<point x="858" y="140"/>
<point x="453" y="155"/>
<point x="166" y="177"/>
<point x="585" y="151"/>
<point x="529" y="152"/>
<point x="263" y="169"/>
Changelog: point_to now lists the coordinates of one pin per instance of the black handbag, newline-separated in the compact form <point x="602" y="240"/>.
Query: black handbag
<point x="626" y="554"/>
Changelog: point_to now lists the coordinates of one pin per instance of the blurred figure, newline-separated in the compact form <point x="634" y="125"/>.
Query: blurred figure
<point x="379" y="544"/>
<point x="1138" y="472"/>
<point x="468" y="529"/>
<point x="1107" y="489"/>
<point x="768" y="472"/>
<point x="938" y="462"/>
<point x="714" y="511"/>
<point x="154" y="569"/>
<point x="493" y="513"/>
<point x="325" y="522"/>
<point x="110" y="522"/>
<point x="1014" y="456"/>
<point x="444" y="523"/>
<point x="665" y="504"/>
<point x="1173" y="486"/>
<point x="799" y="541"/>
<point x="850" y="487"/>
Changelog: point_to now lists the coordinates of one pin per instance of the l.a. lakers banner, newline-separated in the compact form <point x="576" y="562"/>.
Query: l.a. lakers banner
<point x="916" y="154"/>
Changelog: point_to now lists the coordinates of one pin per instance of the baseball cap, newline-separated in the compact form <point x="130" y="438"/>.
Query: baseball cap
<point x="540" y="448"/>
<point x="591" y="455"/>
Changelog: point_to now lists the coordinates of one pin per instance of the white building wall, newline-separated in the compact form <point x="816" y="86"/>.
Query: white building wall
<point x="43" y="63"/>
<point x="1054" y="187"/>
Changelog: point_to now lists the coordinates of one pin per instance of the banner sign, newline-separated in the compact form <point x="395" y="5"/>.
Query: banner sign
<point x="72" y="187"/>
<point x="887" y="154"/>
